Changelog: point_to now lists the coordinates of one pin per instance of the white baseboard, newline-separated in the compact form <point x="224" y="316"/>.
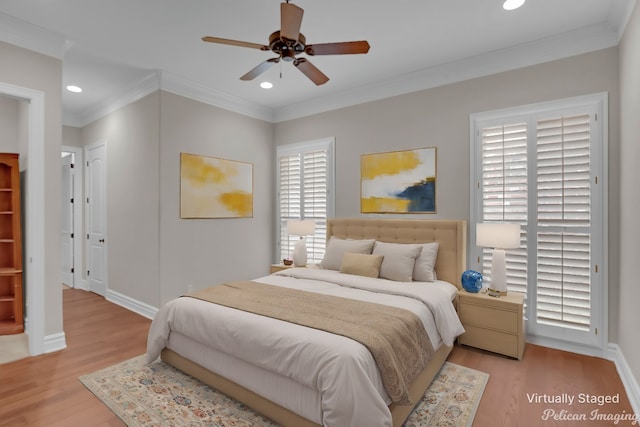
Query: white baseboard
<point x="55" y="342"/>
<point x="614" y="353"/>
<point x="143" y="309"/>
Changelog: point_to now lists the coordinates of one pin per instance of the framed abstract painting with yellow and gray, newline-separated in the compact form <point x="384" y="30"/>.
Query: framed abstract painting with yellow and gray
<point x="211" y="187"/>
<point x="398" y="181"/>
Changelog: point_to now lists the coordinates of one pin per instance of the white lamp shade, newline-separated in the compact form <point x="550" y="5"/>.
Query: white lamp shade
<point x="301" y="227"/>
<point x="501" y="236"/>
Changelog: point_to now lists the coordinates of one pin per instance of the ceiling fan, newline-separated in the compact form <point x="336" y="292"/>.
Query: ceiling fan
<point x="289" y="42"/>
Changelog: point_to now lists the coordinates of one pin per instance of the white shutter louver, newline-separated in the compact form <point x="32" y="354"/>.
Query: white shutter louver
<point x="303" y="187"/>
<point x="564" y="222"/>
<point x="505" y="193"/>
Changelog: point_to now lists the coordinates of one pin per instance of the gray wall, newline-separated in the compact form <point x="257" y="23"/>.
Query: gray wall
<point x="153" y="255"/>
<point x="439" y="118"/>
<point x="204" y="252"/>
<point x="629" y="315"/>
<point x="9" y="118"/>
<point x="34" y="71"/>
<point x="132" y="139"/>
<point x="71" y="136"/>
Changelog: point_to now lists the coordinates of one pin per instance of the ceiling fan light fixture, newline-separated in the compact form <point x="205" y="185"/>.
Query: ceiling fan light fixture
<point x="266" y="85"/>
<point x="512" y="4"/>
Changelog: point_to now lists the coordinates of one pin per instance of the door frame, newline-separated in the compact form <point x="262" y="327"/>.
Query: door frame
<point x="34" y="214"/>
<point x="79" y="281"/>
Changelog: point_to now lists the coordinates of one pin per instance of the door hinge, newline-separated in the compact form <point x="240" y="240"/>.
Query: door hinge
<point x="71" y="165"/>
<point x="71" y="201"/>
<point x="596" y="331"/>
<point x="72" y="270"/>
<point x="87" y="236"/>
<point x="596" y="268"/>
<point x="87" y="200"/>
<point x="87" y="272"/>
<point x="72" y="235"/>
<point x="87" y="163"/>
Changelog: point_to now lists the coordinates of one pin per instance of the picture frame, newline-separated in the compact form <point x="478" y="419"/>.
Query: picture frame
<point x="399" y="182"/>
<point x="212" y="187"/>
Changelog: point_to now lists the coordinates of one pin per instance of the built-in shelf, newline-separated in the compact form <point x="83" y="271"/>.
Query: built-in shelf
<point x="11" y="316"/>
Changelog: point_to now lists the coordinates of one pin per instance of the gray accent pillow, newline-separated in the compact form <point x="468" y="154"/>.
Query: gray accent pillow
<point x="336" y="249"/>
<point x="399" y="260"/>
<point x="424" y="270"/>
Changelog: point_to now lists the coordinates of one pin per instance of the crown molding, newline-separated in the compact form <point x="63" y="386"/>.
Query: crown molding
<point x="548" y="49"/>
<point x="132" y="93"/>
<point x="28" y="36"/>
<point x="183" y="87"/>
<point x="565" y="45"/>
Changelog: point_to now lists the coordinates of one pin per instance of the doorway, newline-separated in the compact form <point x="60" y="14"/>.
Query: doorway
<point x="34" y="243"/>
<point x="72" y="256"/>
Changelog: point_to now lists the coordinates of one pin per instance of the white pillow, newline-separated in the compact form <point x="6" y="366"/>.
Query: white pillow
<point x="337" y="247"/>
<point x="424" y="270"/>
<point x="399" y="260"/>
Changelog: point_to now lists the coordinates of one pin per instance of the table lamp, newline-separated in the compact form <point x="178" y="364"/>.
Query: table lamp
<point x="300" y="227"/>
<point x="499" y="236"/>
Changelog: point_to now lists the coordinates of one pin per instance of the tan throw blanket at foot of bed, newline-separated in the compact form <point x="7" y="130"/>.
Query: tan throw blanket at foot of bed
<point x="395" y="337"/>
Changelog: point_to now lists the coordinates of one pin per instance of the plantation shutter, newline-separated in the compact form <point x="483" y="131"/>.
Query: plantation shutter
<point x="538" y="166"/>
<point x="564" y="222"/>
<point x="304" y="183"/>
<point x="505" y="194"/>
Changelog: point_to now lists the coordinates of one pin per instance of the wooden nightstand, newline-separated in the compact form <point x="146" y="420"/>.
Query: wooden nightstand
<point x="274" y="268"/>
<point x="492" y="323"/>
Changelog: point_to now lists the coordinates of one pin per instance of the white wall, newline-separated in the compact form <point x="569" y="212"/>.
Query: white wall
<point x="629" y="314"/>
<point x="439" y="118"/>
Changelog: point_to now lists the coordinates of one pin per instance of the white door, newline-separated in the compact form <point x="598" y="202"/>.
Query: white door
<point x="96" y="208"/>
<point x="67" y="234"/>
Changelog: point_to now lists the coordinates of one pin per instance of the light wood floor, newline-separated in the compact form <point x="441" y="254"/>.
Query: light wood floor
<point x="45" y="391"/>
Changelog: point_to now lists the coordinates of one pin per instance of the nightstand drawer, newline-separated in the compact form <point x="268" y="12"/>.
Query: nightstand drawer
<point x="495" y="341"/>
<point x="477" y="315"/>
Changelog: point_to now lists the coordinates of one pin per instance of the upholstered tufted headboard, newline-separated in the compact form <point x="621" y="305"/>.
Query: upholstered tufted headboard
<point x="450" y="234"/>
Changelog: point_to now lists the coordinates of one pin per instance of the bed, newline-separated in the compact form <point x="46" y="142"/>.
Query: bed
<point x="264" y="363"/>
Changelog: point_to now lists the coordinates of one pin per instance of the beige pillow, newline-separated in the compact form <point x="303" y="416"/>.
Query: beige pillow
<point x="361" y="264"/>
<point x="399" y="260"/>
<point x="336" y="249"/>
<point x="424" y="270"/>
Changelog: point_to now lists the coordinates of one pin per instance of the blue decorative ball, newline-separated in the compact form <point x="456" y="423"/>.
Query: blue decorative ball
<point x="472" y="281"/>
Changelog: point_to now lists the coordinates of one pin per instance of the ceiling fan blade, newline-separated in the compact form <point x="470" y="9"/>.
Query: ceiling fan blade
<point x="342" y="48"/>
<point x="310" y="70"/>
<point x="290" y="21"/>
<point x="260" y="69"/>
<point x="234" y="43"/>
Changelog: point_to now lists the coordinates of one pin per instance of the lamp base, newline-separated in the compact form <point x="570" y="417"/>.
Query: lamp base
<point x="299" y="254"/>
<point x="496" y="293"/>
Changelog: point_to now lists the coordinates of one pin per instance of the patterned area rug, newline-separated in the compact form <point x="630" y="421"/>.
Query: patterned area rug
<point x="160" y="395"/>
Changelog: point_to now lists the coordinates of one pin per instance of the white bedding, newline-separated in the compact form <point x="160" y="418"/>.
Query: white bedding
<point x="341" y="371"/>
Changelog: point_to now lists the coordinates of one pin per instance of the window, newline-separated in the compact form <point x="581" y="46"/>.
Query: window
<point x="542" y="167"/>
<point x="305" y="191"/>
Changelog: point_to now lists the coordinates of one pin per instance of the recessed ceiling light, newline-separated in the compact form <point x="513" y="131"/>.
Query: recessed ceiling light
<point x="512" y="4"/>
<point x="266" y="85"/>
<point x="75" y="89"/>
